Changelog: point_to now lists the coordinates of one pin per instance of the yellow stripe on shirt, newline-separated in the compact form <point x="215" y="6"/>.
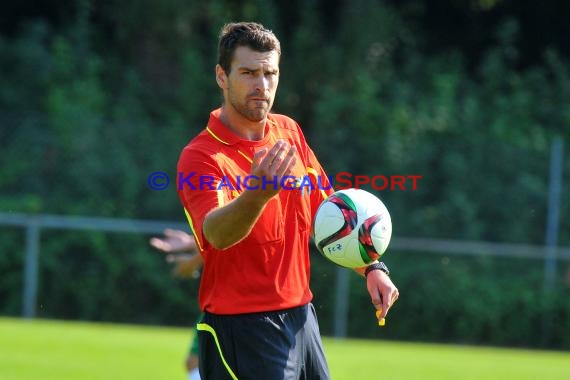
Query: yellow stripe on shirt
<point x="216" y="137"/>
<point x="312" y="171"/>
<point x="193" y="229"/>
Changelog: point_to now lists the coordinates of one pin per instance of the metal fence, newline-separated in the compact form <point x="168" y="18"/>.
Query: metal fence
<point x="34" y="224"/>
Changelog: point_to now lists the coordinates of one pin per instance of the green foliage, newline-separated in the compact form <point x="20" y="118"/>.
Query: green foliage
<point x="111" y="278"/>
<point x="471" y="300"/>
<point x="90" y="107"/>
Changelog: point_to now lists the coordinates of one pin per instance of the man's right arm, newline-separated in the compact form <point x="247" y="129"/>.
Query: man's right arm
<point x="231" y="223"/>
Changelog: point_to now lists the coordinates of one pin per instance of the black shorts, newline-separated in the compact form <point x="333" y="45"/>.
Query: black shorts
<point x="284" y="344"/>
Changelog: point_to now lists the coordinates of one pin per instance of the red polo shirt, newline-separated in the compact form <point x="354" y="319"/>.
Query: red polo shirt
<point x="269" y="269"/>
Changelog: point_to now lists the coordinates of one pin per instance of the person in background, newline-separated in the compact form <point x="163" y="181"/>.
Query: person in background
<point x="180" y="249"/>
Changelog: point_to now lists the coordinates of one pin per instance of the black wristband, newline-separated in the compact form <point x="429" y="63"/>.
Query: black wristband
<point x="376" y="266"/>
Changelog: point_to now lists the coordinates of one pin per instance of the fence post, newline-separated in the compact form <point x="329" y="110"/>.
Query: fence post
<point x="341" y="304"/>
<point x="553" y="213"/>
<point x="31" y="269"/>
<point x="551" y="240"/>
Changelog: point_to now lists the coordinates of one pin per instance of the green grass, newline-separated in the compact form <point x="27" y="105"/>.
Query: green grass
<point x="47" y="350"/>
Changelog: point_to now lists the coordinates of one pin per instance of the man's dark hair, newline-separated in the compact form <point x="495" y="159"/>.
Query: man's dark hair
<point x="250" y="34"/>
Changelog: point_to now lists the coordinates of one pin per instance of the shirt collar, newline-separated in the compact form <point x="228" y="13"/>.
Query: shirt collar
<point x="226" y="136"/>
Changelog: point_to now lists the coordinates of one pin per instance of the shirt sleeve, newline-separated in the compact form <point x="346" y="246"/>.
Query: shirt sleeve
<point x="321" y="182"/>
<point x="198" y="180"/>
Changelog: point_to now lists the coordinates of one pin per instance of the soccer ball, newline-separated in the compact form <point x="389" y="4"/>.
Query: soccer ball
<point x="352" y="228"/>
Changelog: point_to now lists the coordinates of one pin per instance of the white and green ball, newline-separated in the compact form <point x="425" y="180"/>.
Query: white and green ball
<point x="352" y="228"/>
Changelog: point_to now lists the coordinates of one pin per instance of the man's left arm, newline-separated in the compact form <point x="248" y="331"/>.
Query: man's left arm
<point x="382" y="290"/>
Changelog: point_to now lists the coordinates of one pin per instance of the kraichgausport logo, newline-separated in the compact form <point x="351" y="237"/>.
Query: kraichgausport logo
<point x="341" y="181"/>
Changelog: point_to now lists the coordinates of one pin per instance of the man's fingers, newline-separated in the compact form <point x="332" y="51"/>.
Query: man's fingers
<point x="275" y="162"/>
<point x="267" y="158"/>
<point x="385" y="308"/>
<point x="258" y="156"/>
<point x="378" y="305"/>
<point x="390" y="299"/>
<point x="277" y="154"/>
<point x="159" y="244"/>
<point x="377" y="300"/>
<point x="381" y="320"/>
<point x="271" y="165"/>
<point x="287" y="163"/>
<point x="395" y="296"/>
<point x="168" y="232"/>
<point x="381" y="311"/>
<point x="382" y="307"/>
<point x="383" y="294"/>
<point x="171" y="233"/>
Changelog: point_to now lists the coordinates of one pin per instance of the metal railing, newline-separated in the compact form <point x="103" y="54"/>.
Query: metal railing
<point x="33" y="224"/>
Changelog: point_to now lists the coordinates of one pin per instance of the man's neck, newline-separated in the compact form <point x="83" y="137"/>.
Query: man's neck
<point x="244" y="128"/>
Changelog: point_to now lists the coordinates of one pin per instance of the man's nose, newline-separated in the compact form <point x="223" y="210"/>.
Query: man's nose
<point x="262" y="84"/>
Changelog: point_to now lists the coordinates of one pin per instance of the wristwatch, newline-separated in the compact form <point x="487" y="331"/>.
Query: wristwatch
<point x="377" y="266"/>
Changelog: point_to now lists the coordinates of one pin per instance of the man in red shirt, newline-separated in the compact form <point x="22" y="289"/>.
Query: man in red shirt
<point x="239" y="184"/>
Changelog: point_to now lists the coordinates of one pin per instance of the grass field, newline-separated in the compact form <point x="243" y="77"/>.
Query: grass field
<point x="50" y="350"/>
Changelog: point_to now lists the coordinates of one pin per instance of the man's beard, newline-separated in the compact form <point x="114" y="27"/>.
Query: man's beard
<point x="245" y="109"/>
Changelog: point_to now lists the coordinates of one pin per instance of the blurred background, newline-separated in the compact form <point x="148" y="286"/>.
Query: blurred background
<point x="472" y="95"/>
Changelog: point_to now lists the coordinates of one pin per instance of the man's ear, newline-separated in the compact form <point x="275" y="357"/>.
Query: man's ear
<point x="221" y="77"/>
